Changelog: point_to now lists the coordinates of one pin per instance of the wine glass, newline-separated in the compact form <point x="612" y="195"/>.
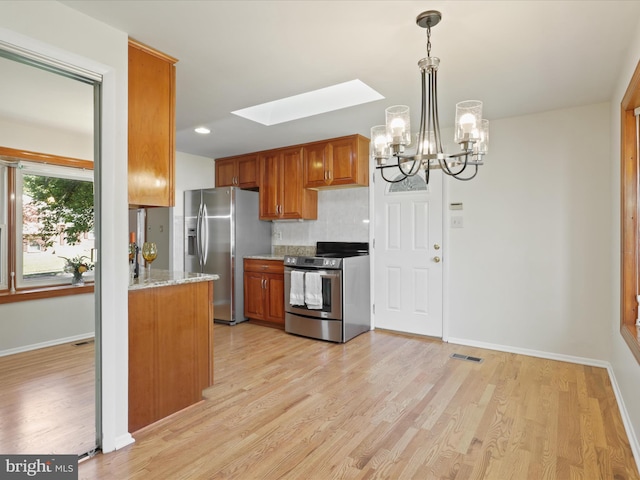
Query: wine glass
<point x="149" y="253"/>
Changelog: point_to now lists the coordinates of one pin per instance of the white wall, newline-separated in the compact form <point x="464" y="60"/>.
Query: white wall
<point x="57" y="31"/>
<point x="192" y="172"/>
<point x="343" y="216"/>
<point x="532" y="265"/>
<point x="22" y="135"/>
<point x="624" y="365"/>
<point x="50" y="321"/>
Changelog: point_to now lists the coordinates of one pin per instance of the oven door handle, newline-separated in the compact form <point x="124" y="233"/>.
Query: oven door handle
<point x="323" y="273"/>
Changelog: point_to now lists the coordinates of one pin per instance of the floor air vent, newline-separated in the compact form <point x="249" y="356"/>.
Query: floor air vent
<point x="86" y="342"/>
<point x="468" y="358"/>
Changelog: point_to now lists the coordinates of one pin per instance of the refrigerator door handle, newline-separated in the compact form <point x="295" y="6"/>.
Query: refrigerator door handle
<point x="205" y="234"/>
<point x="199" y="236"/>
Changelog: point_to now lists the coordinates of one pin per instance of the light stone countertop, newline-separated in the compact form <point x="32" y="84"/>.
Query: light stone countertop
<point x="266" y="256"/>
<point x="163" y="278"/>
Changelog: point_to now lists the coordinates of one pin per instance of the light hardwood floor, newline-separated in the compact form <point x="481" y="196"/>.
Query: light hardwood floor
<point x="383" y="406"/>
<point x="47" y="400"/>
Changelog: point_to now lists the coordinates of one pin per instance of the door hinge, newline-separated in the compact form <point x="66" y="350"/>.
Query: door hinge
<point x="373" y="243"/>
<point x="374" y="308"/>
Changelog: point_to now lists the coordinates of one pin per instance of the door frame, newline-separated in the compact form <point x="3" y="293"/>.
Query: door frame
<point x="109" y="290"/>
<point x="445" y="248"/>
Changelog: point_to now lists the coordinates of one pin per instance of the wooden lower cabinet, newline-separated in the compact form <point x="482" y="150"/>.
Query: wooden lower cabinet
<point x="264" y="292"/>
<point x="170" y="349"/>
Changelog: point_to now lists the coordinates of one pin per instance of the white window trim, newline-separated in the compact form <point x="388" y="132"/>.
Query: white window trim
<point x="49" y="170"/>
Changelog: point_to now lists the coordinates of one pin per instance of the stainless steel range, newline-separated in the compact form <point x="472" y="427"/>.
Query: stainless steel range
<point x="327" y="296"/>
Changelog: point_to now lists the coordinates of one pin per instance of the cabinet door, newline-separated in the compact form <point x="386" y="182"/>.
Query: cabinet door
<point x="345" y="164"/>
<point x="151" y="128"/>
<point x="275" y="299"/>
<point x="292" y="188"/>
<point x="248" y="173"/>
<point x="317" y="165"/>
<point x="270" y="185"/>
<point x="254" y="295"/>
<point x="226" y="172"/>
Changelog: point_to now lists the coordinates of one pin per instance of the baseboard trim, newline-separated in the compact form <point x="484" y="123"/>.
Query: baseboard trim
<point x="50" y="343"/>
<point x="123" y="440"/>
<point x="626" y="420"/>
<point x="531" y="353"/>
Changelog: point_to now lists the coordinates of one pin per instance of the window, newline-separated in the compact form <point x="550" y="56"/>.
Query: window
<point x="46" y="216"/>
<point x="630" y="206"/>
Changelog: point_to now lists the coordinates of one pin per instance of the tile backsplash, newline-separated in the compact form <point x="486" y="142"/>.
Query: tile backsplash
<point x="343" y="216"/>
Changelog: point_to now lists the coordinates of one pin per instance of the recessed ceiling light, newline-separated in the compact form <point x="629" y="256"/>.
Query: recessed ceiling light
<point x="328" y="99"/>
<point x="202" y="130"/>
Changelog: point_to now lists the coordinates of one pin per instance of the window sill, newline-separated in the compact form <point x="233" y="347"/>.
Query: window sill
<point x="631" y="335"/>
<point x="43" y="292"/>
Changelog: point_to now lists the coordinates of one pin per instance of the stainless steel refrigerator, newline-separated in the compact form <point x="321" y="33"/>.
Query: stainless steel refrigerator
<point x="221" y="227"/>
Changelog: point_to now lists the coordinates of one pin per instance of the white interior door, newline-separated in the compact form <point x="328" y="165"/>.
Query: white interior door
<point x="408" y="254"/>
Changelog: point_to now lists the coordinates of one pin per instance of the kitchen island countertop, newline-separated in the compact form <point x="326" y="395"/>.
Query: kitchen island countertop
<point x="163" y="278"/>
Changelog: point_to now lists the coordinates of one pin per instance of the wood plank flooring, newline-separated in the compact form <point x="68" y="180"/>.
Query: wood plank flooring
<point x="382" y="406"/>
<point x="47" y="400"/>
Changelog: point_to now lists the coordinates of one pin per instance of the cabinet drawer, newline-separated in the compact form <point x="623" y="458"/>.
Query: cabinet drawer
<point x="263" y="266"/>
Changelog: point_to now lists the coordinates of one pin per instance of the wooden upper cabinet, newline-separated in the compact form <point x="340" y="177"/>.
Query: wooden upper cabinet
<point x="239" y="171"/>
<point x="282" y="194"/>
<point x="337" y="163"/>
<point x="151" y="126"/>
<point x="317" y="164"/>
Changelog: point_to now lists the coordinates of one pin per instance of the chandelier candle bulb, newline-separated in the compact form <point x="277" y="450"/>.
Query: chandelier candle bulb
<point x="468" y="117"/>
<point x="380" y="144"/>
<point x="481" y="147"/>
<point x="398" y="125"/>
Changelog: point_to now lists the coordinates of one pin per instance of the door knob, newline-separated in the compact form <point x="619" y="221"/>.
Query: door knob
<point x="436" y="259"/>
<point x="436" y="246"/>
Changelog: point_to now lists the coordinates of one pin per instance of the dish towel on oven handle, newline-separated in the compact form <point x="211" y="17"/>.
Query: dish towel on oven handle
<point x="296" y="291"/>
<point x="313" y="290"/>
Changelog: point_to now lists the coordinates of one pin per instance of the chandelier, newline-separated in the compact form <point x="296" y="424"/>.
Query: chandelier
<point x="388" y="142"/>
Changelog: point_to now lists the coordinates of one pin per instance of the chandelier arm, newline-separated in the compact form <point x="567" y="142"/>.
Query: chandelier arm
<point x="466" y="179"/>
<point x="411" y="172"/>
<point x="447" y="169"/>
<point x="388" y="180"/>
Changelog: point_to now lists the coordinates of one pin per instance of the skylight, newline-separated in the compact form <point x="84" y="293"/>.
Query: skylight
<point x="328" y="99"/>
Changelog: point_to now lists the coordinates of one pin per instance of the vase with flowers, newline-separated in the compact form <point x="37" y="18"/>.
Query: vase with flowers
<point x="77" y="266"/>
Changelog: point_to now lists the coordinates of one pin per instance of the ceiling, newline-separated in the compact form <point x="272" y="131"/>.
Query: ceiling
<point x="519" y="57"/>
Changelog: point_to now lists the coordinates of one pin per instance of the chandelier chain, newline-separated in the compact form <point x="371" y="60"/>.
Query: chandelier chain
<point x="428" y="41"/>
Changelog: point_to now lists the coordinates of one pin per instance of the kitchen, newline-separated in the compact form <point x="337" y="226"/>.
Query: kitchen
<point x="475" y="245"/>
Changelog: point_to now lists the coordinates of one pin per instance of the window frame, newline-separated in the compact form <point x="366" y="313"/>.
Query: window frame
<point x="32" y="290"/>
<point x="629" y="211"/>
